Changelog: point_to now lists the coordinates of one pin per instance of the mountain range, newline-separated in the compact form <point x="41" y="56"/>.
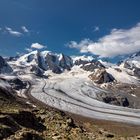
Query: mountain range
<point x="66" y="82"/>
<point x="40" y="62"/>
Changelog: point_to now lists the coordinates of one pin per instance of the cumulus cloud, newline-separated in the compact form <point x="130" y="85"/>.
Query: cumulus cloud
<point x="37" y="46"/>
<point x="25" y="29"/>
<point x="118" y="42"/>
<point x="12" y="32"/>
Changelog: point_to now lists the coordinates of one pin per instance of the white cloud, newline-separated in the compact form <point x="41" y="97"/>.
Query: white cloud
<point x="12" y="32"/>
<point x="25" y="29"/>
<point x="118" y="42"/>
<point x="96" y="28"/>
<point x="37" y="46"/>
<point x="28" y="49"/>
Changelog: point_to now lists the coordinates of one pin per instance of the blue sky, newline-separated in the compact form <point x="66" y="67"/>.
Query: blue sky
<point x="63" y="26"/>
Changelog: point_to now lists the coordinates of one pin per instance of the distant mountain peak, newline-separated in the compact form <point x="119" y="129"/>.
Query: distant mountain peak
<point x="46" y="60"/>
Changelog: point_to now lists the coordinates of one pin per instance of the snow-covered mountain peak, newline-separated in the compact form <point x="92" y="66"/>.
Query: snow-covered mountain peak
<point x="135" y="55"/>
<point x="106" y="64"/>
<point x="132" y="62"/>
<point x="39" y="62"/>
<point x="83" y="58"/>
<point x="28" y="59"/>
<point x="45" y="60"/>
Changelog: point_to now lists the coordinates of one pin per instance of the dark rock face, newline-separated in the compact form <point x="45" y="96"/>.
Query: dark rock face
<point x="47" y="61"/>
<point x="5" y="132"/>
<point x="66" y="62"/>
<point x="127" y="65"/>
<point x="92" y="66"/>
<point x="30" y="58"/>
<point x="40" y="62"/>
<point x="119" y="63"/>
<point x="136" y="72"/>
<point x="30" y="136"/>
<point x="28" y="119"/>
<point x="52" y="63"/>
<point x="101" y="76"/>
<point x="57" y="66"/>
<point x="12" y="58"/>
<point x="36" y="70"/>
<point x="5" y="94"/>
<point x="4" y="67"/>
<point x="17" y="84"/>
<point x="135" y="55"/>
<point x="117" y="69"/>
<point x="81" y="62"/>
<point x="7" y="120"/>
<point x="11" y="123"/>
<point x="120" y="101"/>
<point x="38" y="59"/>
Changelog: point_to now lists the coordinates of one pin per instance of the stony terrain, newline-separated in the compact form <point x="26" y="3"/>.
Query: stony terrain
<point x="19" y="121"/>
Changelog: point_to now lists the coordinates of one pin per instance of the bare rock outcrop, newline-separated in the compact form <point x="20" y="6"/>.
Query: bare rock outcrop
<point x="4" y="67"/>
<point x="101" y="76"/>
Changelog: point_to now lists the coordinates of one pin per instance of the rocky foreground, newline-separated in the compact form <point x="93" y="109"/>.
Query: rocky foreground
<point x="19" y="121"/>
